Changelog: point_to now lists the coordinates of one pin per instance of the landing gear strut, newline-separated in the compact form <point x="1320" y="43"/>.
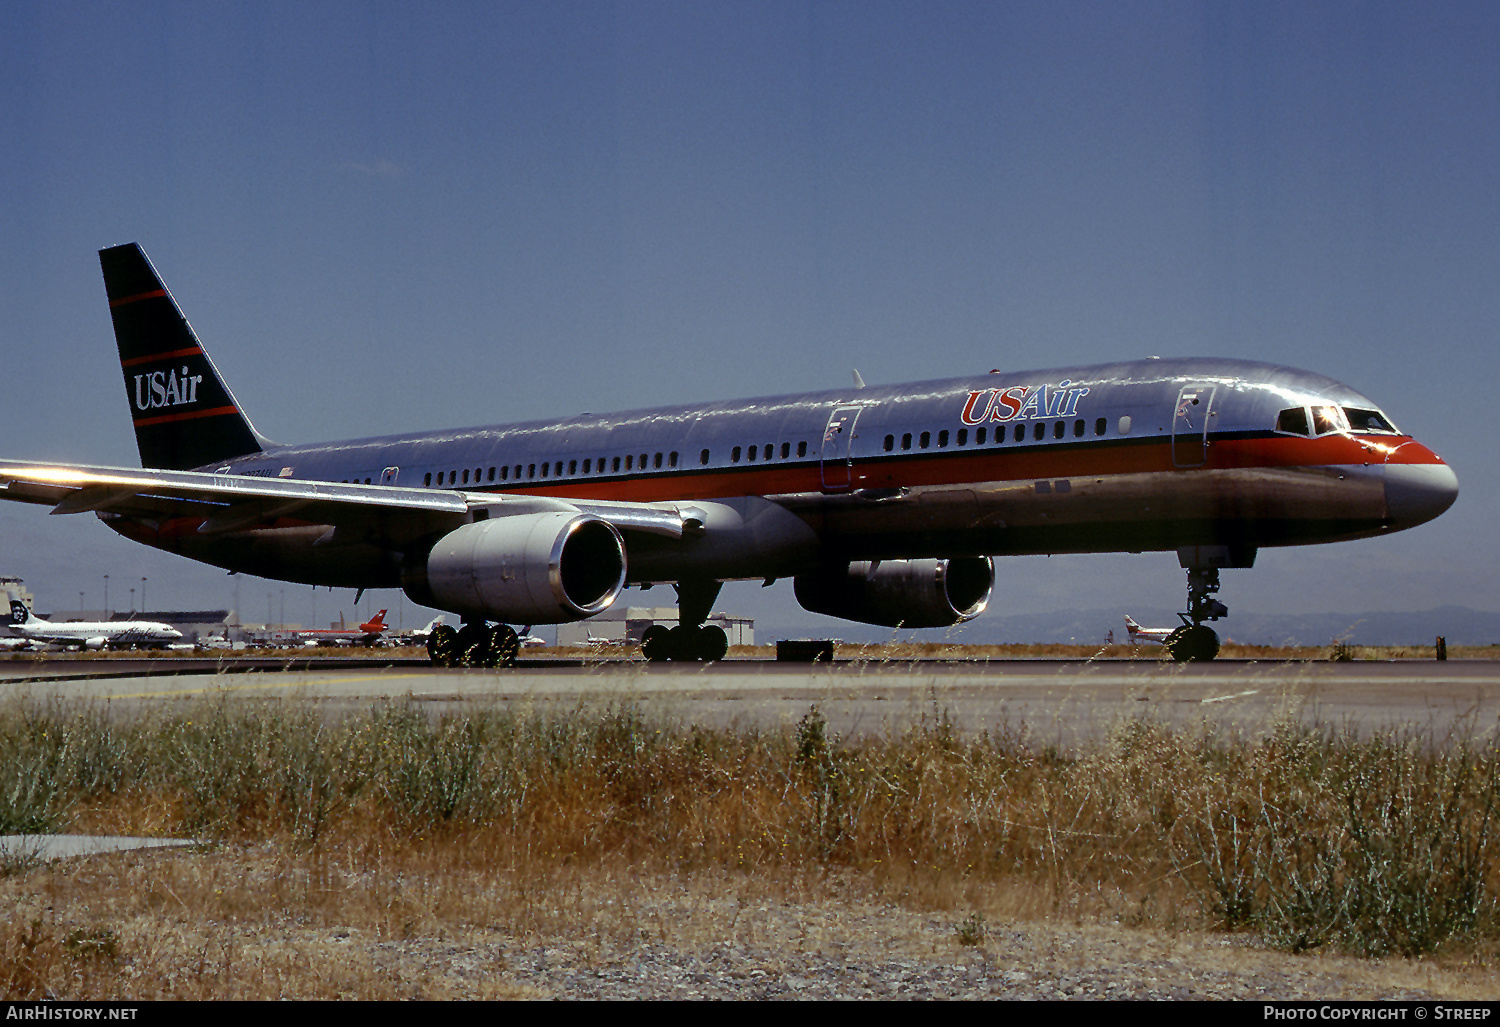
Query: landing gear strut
<point x="476" y="644"/>
<point x="691" y="640"/>
<point x="1193" y="641"/>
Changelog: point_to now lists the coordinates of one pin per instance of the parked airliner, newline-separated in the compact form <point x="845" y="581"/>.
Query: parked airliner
<point x="1139" y="634"/>
<point x="112" y="634"/>
<point x="368" y="633"/>
<point x="885" y="505"/>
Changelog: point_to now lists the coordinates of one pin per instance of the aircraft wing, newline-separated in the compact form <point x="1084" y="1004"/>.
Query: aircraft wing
<point x="230" y="502"/>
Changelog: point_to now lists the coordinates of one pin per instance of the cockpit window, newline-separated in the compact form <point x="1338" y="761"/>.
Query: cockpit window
<point x="1369" y="420"/>
<point x="1294" y="420"/>
<point x="1328" y="419"/>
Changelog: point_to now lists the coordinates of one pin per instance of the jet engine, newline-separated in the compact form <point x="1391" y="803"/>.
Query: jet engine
<point x="901" y="593"/>
<point x="544" y="568"/>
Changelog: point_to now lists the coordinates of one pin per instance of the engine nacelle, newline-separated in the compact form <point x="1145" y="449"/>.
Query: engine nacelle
<point x="901" y="593"/>
<point x="545" y="568"/>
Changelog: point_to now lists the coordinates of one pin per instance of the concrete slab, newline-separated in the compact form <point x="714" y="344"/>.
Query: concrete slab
<point x="62" y="846"/>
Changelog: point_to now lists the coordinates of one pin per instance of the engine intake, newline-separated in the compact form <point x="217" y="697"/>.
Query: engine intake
<point x="901" y="593"/>
<point x="546" y="568"/>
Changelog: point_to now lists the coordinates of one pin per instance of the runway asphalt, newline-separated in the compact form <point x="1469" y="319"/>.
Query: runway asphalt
<point x="1061" y="702"/>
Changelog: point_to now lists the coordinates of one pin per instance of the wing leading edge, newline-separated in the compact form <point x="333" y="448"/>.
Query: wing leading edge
<point x="227" y="502"/>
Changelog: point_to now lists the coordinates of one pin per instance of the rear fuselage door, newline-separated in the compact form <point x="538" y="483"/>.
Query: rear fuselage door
<point x="838" y="446"/>
<point x="1190" y="425"/>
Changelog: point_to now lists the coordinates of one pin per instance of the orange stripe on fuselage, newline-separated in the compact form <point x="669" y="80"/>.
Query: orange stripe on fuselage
<point x="958" y="467"/>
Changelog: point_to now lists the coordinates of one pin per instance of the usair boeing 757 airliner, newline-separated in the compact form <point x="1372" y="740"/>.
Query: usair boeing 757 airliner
<point x="885" y="505"/>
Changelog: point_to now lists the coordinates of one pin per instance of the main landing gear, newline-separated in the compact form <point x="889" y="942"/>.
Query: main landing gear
<point x="691" y="640"/>
<point x="476" y="644"/>
<point x="1193" y="641"/>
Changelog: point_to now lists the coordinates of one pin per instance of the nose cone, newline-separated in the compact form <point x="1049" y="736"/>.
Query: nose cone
<point x="1415" y="493"/>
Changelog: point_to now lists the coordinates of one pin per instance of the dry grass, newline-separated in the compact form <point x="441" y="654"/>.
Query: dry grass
<point x="399" y="826"/>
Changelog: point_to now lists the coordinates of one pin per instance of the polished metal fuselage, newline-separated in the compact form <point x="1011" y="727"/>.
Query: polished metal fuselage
<point x="1140" y="455"/>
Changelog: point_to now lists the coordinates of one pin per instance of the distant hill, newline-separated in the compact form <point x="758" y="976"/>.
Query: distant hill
<point x="1459" y="624"/>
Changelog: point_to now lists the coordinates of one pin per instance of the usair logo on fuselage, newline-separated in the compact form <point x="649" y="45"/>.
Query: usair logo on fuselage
<point x="1022" y="402"/>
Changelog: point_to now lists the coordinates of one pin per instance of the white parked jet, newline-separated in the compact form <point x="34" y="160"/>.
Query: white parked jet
<point x="1139" y="634"/>
<point x="92" y="634"/>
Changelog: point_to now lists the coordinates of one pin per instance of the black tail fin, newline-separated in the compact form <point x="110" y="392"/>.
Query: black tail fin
<point x="185" y="416"/>
<point x="18" y="612"/>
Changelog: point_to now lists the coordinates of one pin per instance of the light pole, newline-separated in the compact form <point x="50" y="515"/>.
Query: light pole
<point x="143" y="594"/>
<point x="106" y="597"/>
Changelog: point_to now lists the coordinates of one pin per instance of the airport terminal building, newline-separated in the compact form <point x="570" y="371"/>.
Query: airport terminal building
<point x="624" y="625"/>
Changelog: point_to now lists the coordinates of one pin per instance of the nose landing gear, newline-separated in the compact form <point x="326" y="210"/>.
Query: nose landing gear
<point x="1193" y="641"/>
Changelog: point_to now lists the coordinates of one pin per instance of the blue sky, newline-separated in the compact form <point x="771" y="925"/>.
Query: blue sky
<point x="391" y="216"/>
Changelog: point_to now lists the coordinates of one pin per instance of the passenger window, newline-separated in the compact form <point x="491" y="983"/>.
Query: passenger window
<point x="703" y="457"/>
<point x="427" y="480"/>
<point x="492" y="474"/>
<point x="572" y="468"/>
<point x="586" y="465"/>
<point x="657" y="462"/>
<point x="786" y="450"/>
<point x="617" y="465"/>
<point x="906" y="441"/>
<point x="963" y="436"/>
<point x="750" y="453"/>
<point x="942" y="438"/>
<point x="1101" y="426"/>
<point x="672" y="459"/>
<point x="925" y="440"/>
<point x="1039" y="432"/>
<point x="1059" y="430"/>
<point x="980" y="434"/>
<point x="734" y="455"/>
<point x="802" y="449"/>
<point x="890" y="443"/>
<point x="629" y="461"/>
<point x="1020" y="433"/>
<point x="1078" y="428"/>
<point x="544" y="469"/>
<point x="1293" y="420"/>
